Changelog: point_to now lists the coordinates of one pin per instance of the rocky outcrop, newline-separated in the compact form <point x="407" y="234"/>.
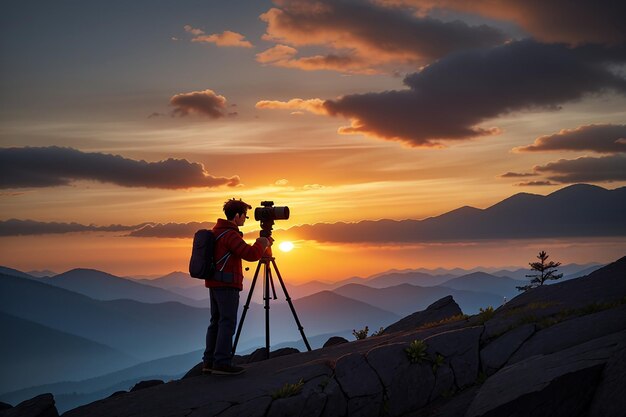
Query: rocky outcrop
<point x="39" y="406"/>
<point x="567" y="361"/>
<point x="437" y="311"/>
<point x="335" y="340"/>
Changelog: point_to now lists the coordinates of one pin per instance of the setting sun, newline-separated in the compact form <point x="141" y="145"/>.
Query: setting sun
<point x="286" y="246"/>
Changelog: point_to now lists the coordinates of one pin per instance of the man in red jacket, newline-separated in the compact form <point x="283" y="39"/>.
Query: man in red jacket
<point x="230" y="249"/>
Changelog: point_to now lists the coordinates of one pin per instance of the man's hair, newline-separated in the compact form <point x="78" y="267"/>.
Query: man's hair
<point x="233" y="207"/>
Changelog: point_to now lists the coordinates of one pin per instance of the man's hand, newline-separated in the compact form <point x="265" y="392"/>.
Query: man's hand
<point x="264" y="241"/>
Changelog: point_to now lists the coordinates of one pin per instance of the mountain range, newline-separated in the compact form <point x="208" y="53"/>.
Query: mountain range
<point x="580" y="210"/>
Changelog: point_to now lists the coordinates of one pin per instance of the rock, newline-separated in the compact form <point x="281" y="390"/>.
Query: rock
<point x="610" y="396"/>
<point x="309" y="402"/>
<point x="335" y="340"/>
<point x="5" y="406"/>
<point x="146" y="384"/>
<point x="437" y="311"/>
<point x="559" y="384"/>
<point x="253" y="408"/>
<point x="460" y="349"/>
<point x="195" y="371"/>
<point x="39" y="406"/>
<point x="360" y="384"/>
<point x="212" y="409"/>
<point x="336" y="403"/>
<point x="408" y="385"/>
<point x="496" y="353"/>
<point x="117" y="394"/>
<point x="572" y="332"/>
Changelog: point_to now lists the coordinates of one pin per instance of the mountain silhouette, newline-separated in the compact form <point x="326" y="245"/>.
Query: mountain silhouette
<point x="103" y="286"/>
<point x="405" y="299"/>
<point x="483" y="282"/>
<point x="579" y="210"/>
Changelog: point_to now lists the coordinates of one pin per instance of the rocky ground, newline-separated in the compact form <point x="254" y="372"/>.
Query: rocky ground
<point x="558" y="350"/>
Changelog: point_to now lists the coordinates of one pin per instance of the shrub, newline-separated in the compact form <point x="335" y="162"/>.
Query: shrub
<point x="416" y="352"/>
<point x="485" y="314"/>
<point x="437" y="362"/>
<point x="288" y="390"/>
<point x="361" y="334"/>
<point x="378" y="332"/>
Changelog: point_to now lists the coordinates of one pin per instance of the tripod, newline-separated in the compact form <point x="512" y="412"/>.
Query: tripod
<point x="267" y="261"/>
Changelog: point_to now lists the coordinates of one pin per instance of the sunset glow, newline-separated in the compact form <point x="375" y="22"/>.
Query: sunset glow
<point x="133" y="138"/>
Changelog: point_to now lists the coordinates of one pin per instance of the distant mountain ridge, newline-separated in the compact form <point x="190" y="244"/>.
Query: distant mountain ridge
<point x="579" y="210"/>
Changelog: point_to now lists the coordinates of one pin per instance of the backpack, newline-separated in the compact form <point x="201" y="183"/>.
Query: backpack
<point x="202" y="264"/>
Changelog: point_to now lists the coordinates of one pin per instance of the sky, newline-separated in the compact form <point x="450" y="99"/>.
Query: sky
<point x="118" y="114"/>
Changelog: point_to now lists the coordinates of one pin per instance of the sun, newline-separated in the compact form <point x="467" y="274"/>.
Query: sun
<point x="286" y="246"/>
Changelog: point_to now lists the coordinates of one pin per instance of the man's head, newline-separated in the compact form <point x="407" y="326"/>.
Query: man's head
<point x="236" y="209"/>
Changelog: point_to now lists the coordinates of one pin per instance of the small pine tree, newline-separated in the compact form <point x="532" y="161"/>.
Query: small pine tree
<point x="545" y="271"/>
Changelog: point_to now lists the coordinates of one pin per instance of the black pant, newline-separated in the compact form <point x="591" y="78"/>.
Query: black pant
<point x="219" y="335"/>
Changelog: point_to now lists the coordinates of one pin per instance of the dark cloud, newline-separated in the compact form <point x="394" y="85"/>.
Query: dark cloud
<point x="586" y="169"/>
<point x="16" y="227"/>
<point x="203" y="103"/>
<point x="534" y="183"/>
<point x="598" y="138"/>
<point x="170" y="230"/>
<point x="54" y="166"/>
<point x="369" y="30"/>
<point x="575" y="22"/>
<point x="451" y="98"/>
<point x="517" y="175"/>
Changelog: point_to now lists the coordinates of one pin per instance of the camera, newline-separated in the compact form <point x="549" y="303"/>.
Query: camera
<point x="270" y="213"/>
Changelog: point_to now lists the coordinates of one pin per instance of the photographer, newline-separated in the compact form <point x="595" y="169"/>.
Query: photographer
<point x="230" y="249"/>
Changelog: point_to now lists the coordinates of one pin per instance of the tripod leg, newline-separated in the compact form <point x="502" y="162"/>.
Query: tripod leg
<point x="293" y="310"/>
<point x="267" y="277"/>
<point x="246" y="307"/>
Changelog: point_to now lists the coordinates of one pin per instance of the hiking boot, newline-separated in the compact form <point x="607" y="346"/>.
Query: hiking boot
<point x="207" y="367"/>
<point x="227" y="370"/>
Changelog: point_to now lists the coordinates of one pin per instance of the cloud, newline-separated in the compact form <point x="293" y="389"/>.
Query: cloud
<point x="281" y="182"/>
<point x="314" y="105"/>
<point x="170" y="230"/>
<point x="16" y="227"/>
<point x="373" y="34"/>
<point x="54" y="166"/>
<point x="534" y="183"/>
<point x="203" y="103"/>
<point x="574" y="22"/>
<point x="226" y="38"/>
<point x="606" y="138"/>
<point x="586" y="169"/>
<point x="285" y="56"/>
<point x="517" y="175"/>
<point x="452" y="97"/>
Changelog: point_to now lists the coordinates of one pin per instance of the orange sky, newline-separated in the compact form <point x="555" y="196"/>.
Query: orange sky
<point x="189" y="88"/>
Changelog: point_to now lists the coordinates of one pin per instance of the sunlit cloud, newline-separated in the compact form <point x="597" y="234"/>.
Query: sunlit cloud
<point x="364" y="35"/>
<point x="32" y="167"/>
<point x="314" y="105"/>
<point x="586" y="169"/>
<point x="605" y="138"/>
<point x="203" y="103"/>
<point x="170" y="230"/>
<point x="577" y="22"/>
<point x="285" y="56"/>
<point x="227" y="38"/>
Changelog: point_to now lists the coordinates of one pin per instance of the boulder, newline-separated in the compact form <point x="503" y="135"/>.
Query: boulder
<point x="460" y="349"/>
<point x="335" y="340"/>
<point x="260" y="354"/>
<point x="5" y="406"/>
<point x="360" y="384"/>
<point x="408" y="385"/>
<point x="572" y="332"/>
<point x="39" y="406"/>
<point x="441" y="309"/>
<point x="146" y="384"/>
<point x="610" y="396"/>
<point x="256" y="407"/>
<point x="336" y="403"/>
<point x="496" y="353"/>
<point x="559" y="384"/>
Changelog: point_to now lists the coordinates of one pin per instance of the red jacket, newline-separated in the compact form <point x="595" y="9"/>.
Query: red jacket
<point x="232" y="242"/>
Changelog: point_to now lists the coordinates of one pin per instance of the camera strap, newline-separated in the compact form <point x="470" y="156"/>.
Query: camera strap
<point x="226" y="255"/>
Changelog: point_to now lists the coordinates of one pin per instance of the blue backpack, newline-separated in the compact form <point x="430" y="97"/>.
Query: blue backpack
<point x="202" y="264"/>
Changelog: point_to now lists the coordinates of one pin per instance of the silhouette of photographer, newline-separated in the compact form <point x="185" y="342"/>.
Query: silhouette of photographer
<point x="224" y="288"/>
